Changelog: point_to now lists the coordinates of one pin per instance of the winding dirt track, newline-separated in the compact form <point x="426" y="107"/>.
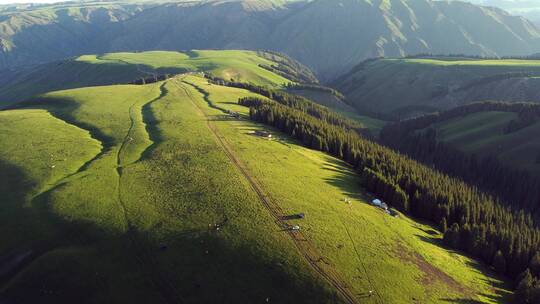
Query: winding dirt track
<point x="304" y="246"/>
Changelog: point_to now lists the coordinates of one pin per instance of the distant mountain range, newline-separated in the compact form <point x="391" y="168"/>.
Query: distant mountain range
<point x="529" y="9"/>
<point x="329" y="36"/>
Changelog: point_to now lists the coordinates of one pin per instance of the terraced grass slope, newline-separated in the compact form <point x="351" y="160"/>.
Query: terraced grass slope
<point x="484" y="134"/>
<point x="153" y="194"/>
<point x="118" y="68"/>
<point x="408" y="87"/>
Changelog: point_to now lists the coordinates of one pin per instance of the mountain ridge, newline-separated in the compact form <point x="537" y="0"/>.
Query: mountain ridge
<point x="328" y="36"/>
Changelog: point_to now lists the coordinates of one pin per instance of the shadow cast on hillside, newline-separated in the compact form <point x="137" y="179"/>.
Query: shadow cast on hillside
<point x="499" y="284"/>
<point x="16" y="252"/>
<point x="433" y="241"/>
<point x="151" y="123"/>
<point x="182" y="266"/>
<point x="62" y="109"/>
<point x="60" y="75"/>
<point x="501" y="297"/>
<point x="344" y="178"/>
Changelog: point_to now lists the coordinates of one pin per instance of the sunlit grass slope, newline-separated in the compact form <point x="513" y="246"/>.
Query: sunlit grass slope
<point x="227" y="64"/>
<point x="121" y="68"/>
<point x="37" y="151"/>
<point x="136" y="222"/>
<point x="400" y="259"/>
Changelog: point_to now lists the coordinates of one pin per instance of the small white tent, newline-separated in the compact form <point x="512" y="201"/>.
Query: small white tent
<point x="376" y="202"/>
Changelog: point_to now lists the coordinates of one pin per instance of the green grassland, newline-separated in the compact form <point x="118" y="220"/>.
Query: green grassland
<point x="159" y="179"/>
<point x="394" y="256"/>
<point x="115" y="192"/>
<point x="119" y="68"/>
<point x="52" y="149"/>
<point x="228" y="64"/>
<point x="483" y="134"/>
<point x="408" y="87"/>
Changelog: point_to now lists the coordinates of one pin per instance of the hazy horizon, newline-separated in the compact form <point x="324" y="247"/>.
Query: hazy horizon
<point x="31" y="1"/>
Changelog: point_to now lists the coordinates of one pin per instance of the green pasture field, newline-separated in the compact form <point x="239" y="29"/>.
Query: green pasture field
<point x="153" y="178"/>
<point x="120" y="191"/>
<point x="402" y="260"/>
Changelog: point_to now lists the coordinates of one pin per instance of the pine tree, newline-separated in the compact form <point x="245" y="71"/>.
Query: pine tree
<point x="400" y="199"/>
<point x="443" y="226"/>
<point x="451" y="237"/>
<point x="535" y="294"/>
<point x="534" y="264"/>
<point x="499" y="262"/>
<point x="524" y="287"/>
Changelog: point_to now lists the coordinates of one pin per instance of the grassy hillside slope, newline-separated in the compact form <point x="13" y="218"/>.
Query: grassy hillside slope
<point x="115" y="68"/>
<point x="407" y="87"/>
<point x="132" y="211"/>
<point x="316" y="184"/>
<point x="227" y="64"/>
<point x="142" y="212"/>
<point x="483" y="134"/>
<point x="332" y="102"/>
<point x="152" y="193"/>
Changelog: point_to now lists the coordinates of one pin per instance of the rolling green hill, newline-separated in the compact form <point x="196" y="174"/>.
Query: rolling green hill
<point x="328" y="36"/>
<point x="147" y="188"/>
<point x="484" y="134"/>
<point x="492" y="145"/>
<point x="154" y="193"/>
<point x="408" y="87"/>
<point x="115" y="68"/>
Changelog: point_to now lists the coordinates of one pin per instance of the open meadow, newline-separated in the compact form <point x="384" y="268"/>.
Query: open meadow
<point x="122" y="68"/>
<point x="155" y="193"/>
<point x="350" y="237"/>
